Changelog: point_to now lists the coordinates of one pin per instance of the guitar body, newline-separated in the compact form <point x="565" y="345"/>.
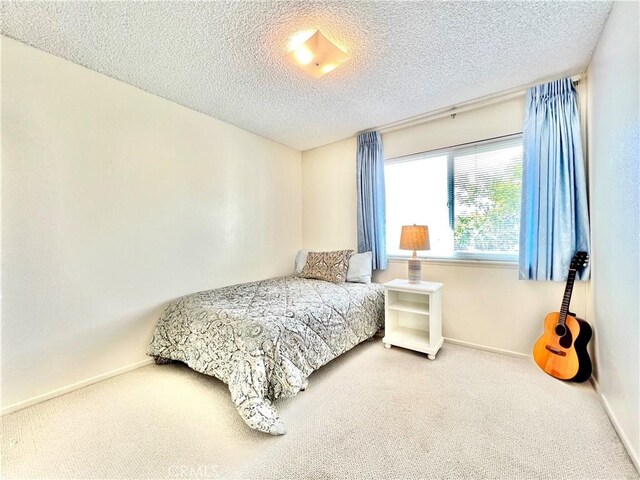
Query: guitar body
<point x="560" y="361"/>
<point x="585" y="369"/>
<point x="564" y="357"/>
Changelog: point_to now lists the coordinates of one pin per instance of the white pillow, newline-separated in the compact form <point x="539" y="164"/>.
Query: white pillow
<point x="360" y="266"/>
<point x="301" y="260"/>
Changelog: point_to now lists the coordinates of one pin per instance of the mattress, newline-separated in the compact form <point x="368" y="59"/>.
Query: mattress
<point x="263" y="339"/>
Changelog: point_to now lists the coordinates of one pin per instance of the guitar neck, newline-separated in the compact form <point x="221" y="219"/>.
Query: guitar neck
<point x="566" y="300"/>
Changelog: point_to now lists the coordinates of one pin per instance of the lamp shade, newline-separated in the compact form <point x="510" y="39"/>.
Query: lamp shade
<point x="415" y="237"/>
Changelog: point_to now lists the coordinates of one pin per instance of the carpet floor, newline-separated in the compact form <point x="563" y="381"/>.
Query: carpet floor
<point x="372" y="413"/>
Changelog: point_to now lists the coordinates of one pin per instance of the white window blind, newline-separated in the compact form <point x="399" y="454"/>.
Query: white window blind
<point x="487" y="182"/>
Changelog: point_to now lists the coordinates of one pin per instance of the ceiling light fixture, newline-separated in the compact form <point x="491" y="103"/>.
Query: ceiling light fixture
<point x="317" y="55"/>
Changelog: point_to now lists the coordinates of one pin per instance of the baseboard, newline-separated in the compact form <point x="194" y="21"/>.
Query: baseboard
<point x="614" y="421"/>
<point x="74" y="386"/>
<point x="477" y="346"/>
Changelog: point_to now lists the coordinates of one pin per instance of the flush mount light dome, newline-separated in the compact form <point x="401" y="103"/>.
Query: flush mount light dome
<point x="317" y="55"/>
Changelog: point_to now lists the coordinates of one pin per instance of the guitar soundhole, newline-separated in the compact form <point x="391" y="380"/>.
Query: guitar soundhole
<point x="566" y="339"/>
<point x="560" y="330"/>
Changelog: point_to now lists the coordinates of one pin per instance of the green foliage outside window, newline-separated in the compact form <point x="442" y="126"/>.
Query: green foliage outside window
<point x="488" y="212"/>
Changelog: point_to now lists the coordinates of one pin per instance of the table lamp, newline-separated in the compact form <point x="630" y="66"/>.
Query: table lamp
<point x="415" y="237"/>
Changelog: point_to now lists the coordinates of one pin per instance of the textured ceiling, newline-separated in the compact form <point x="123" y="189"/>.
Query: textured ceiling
<point x="225" y="59"/>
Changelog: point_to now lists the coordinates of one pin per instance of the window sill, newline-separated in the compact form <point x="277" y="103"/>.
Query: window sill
<point x="462" y="262"/>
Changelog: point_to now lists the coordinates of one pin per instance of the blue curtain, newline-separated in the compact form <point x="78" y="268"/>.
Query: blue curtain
<point x="554" y="221"/>
<point x="371" y="199"/>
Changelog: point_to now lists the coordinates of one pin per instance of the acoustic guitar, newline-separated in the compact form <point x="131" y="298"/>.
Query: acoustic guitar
<point x="561" y="351"/>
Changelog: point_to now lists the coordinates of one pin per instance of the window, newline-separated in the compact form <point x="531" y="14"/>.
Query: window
<point x="469" y="196"/>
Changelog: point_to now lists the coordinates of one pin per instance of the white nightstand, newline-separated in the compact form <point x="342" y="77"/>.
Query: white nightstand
<point x="413" y="316"/>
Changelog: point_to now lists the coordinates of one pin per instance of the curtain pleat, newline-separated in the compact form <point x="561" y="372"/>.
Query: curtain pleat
<point x="371" y="198"/>
<point x="554" y="217"/>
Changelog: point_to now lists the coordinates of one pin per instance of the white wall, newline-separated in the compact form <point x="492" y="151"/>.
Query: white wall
<point x="113" y="202"/>
<point x="329" y="197"/>
<point x="614" y="159"/>
<point x="482" y="304"/>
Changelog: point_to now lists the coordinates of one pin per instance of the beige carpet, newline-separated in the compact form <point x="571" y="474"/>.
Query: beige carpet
<point x="373" y="413"/>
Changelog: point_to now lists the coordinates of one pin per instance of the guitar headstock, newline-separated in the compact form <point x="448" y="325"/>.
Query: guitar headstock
<point x="579" y="261"/>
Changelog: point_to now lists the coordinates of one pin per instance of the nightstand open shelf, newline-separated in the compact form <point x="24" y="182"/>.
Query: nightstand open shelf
<point x="413" y="316"/>
<point x="410" y="306"/>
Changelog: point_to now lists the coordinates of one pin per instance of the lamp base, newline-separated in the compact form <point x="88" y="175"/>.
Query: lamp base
<point x="415" y="270"/>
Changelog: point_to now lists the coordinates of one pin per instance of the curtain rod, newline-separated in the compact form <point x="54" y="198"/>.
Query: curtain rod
<point x="466" y="106"/>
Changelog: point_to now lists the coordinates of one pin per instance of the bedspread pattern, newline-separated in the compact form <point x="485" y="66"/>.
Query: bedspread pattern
<point x="263" y="339"/>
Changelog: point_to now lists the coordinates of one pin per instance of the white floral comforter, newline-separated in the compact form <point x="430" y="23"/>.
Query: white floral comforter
<point x="263" y="339"/>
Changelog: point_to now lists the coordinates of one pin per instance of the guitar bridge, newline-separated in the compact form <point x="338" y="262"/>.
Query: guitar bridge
<point x="556" y="351"/>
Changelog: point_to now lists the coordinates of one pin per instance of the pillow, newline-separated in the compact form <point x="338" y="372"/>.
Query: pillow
<point x="301" y="259"/>
<point x="360" y="268"/>
<point x="327" y="266"/>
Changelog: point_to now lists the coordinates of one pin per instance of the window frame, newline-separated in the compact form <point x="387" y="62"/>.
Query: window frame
<point x="449" y="152"/>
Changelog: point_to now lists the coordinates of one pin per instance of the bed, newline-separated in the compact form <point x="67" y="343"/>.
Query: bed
<point x="263" y="339"/>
